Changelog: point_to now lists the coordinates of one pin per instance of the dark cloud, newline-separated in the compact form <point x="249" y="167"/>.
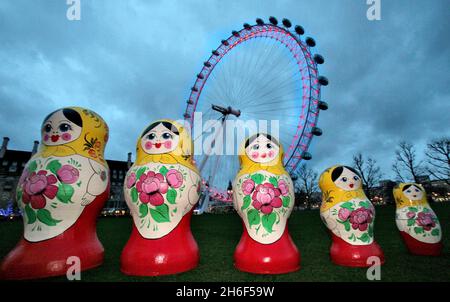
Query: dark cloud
<point x="134" y="61"/>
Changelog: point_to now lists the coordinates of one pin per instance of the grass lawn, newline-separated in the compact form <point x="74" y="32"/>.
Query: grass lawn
<point x="218" y="235"/>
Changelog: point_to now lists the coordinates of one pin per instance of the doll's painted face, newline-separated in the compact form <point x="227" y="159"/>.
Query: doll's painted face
<point x="61" y="127"/>
<point x="160" y="138"/>
<point x="346" y="179"/>
<point x="413" y="192"/>
<point x="262" y="149"/>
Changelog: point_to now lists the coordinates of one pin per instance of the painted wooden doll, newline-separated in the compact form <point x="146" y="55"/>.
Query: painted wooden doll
<point x="61" y="191"/>
<point x="161" y="189"/>
<point x="416" y="221"/>
<point x="350" y="216"/>
<point x="263" y="195"/>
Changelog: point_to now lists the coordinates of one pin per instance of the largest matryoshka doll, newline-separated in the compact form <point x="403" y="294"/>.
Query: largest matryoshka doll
<point x="416" y="220"/>
<point x="161" y="189"/>
<point x="61" y="191"/>
<point x="350" y="216"/>
<point x="263" y="195"/>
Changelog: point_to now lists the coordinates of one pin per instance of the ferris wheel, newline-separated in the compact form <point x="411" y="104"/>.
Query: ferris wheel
<point x="264" y="71"/>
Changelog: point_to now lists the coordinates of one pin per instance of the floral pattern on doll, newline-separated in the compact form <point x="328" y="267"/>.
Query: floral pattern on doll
<point x="47" y="186"/>
<point x="420" y="222"/>
<point x="265" y="200"/>
<point x="352" y="221"/>
<point x="155" y="190"/>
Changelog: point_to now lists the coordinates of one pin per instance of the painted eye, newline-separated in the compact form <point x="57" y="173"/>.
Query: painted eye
<point x="166" y="135"/>
<point x="408" y="191"/>
<point x="416" y="190"/>
<point x="48" y="128"/>
<point x="255" y="147"/>
<point x="344" y="179"/>
<point x="151" y="136"/>
<point x="269" y="146"/>
<point x="64" y="127"/>
<point x="355" y="177"/>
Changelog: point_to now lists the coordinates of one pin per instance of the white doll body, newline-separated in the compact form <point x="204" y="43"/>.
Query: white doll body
<point x="338" y="220"/>
<point x="276" y="191"/>
<point x="67" y="184"/>
<point x="152" y="218"/>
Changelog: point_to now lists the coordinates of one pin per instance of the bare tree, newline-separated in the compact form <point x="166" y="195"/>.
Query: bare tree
<point x="407" y="166"/>
<point x="306" y="183"/>
<point x="438" y="159"/>
<point x="370" y="172"/>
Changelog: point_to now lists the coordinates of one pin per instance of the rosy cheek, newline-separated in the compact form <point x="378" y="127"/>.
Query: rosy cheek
<point x="271" y="154"/>
<point x="66" y="136"/>
<point x="255" y="155"/>
<point x="168" y="144"/>
<point x="148" y="145"/>
<point x="46" y="137"/>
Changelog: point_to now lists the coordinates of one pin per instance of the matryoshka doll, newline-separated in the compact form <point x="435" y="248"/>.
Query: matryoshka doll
<point x="62" y="190"/>
<point x="416" y="221"/>
<point x="349" y="215"/>
<point x="161" y="189"/>
<point x="263" y="195"/>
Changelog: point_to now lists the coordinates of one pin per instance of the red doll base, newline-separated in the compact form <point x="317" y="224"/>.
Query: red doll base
<point x="174" y="253"/>
<point x="32" y="260"/>
<point x="345" y="254"/>
<point x="417" y="247"/>
<point x="280" y="257"/>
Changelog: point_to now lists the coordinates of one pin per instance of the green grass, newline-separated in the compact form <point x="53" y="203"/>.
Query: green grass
<point x="218" y="235"/>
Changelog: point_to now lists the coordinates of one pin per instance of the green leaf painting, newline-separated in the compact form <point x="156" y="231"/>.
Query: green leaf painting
<point x="253" y="217"/>
<point x="171" y="196"/>
<point x="247" y="200"/>
<point x="258" y="178"/>
<point x="134" y="194"/>
<point x="140" y="171"/>
<point x="45" y="217"/>
<point x="160" y="213"/>
<point x="268" y="220"/>
<point x="286" y="201"/>
<point x="143" y="210"/>
<point x="31" y="215"/>
<point x="54" y="166"/>
<point x="65" y="193"/>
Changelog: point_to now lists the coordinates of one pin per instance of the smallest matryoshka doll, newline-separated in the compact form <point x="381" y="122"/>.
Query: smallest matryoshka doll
<point x="349" y="215"/>
<point x="263" y="195"/>
<point x="416" y="221"/>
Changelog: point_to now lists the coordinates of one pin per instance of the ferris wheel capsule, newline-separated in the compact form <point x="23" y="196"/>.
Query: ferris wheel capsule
<point x="273" y="20"/>
<point x="286" y="23"/>
<point x="319" y="59"/>
<point x="310" y="42"/>
<point x="323" y="105"/>
<point x="306" y="155"/>
<point x="323" y="80"/>
<point x="260" y="21"/>
<point x="299" y="30"/>
<point x="316" y="131"/>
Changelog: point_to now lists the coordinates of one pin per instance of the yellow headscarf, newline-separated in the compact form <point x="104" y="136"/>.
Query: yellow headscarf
<point x="248" y="166"/>
<point x="182" y="154"/>
<point x="91" y="142"/>
<point x="332" y="194"/>
<point x="402" y="201"/>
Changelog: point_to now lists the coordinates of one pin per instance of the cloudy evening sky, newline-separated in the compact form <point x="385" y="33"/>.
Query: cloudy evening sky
<point x="135" y="61"/>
